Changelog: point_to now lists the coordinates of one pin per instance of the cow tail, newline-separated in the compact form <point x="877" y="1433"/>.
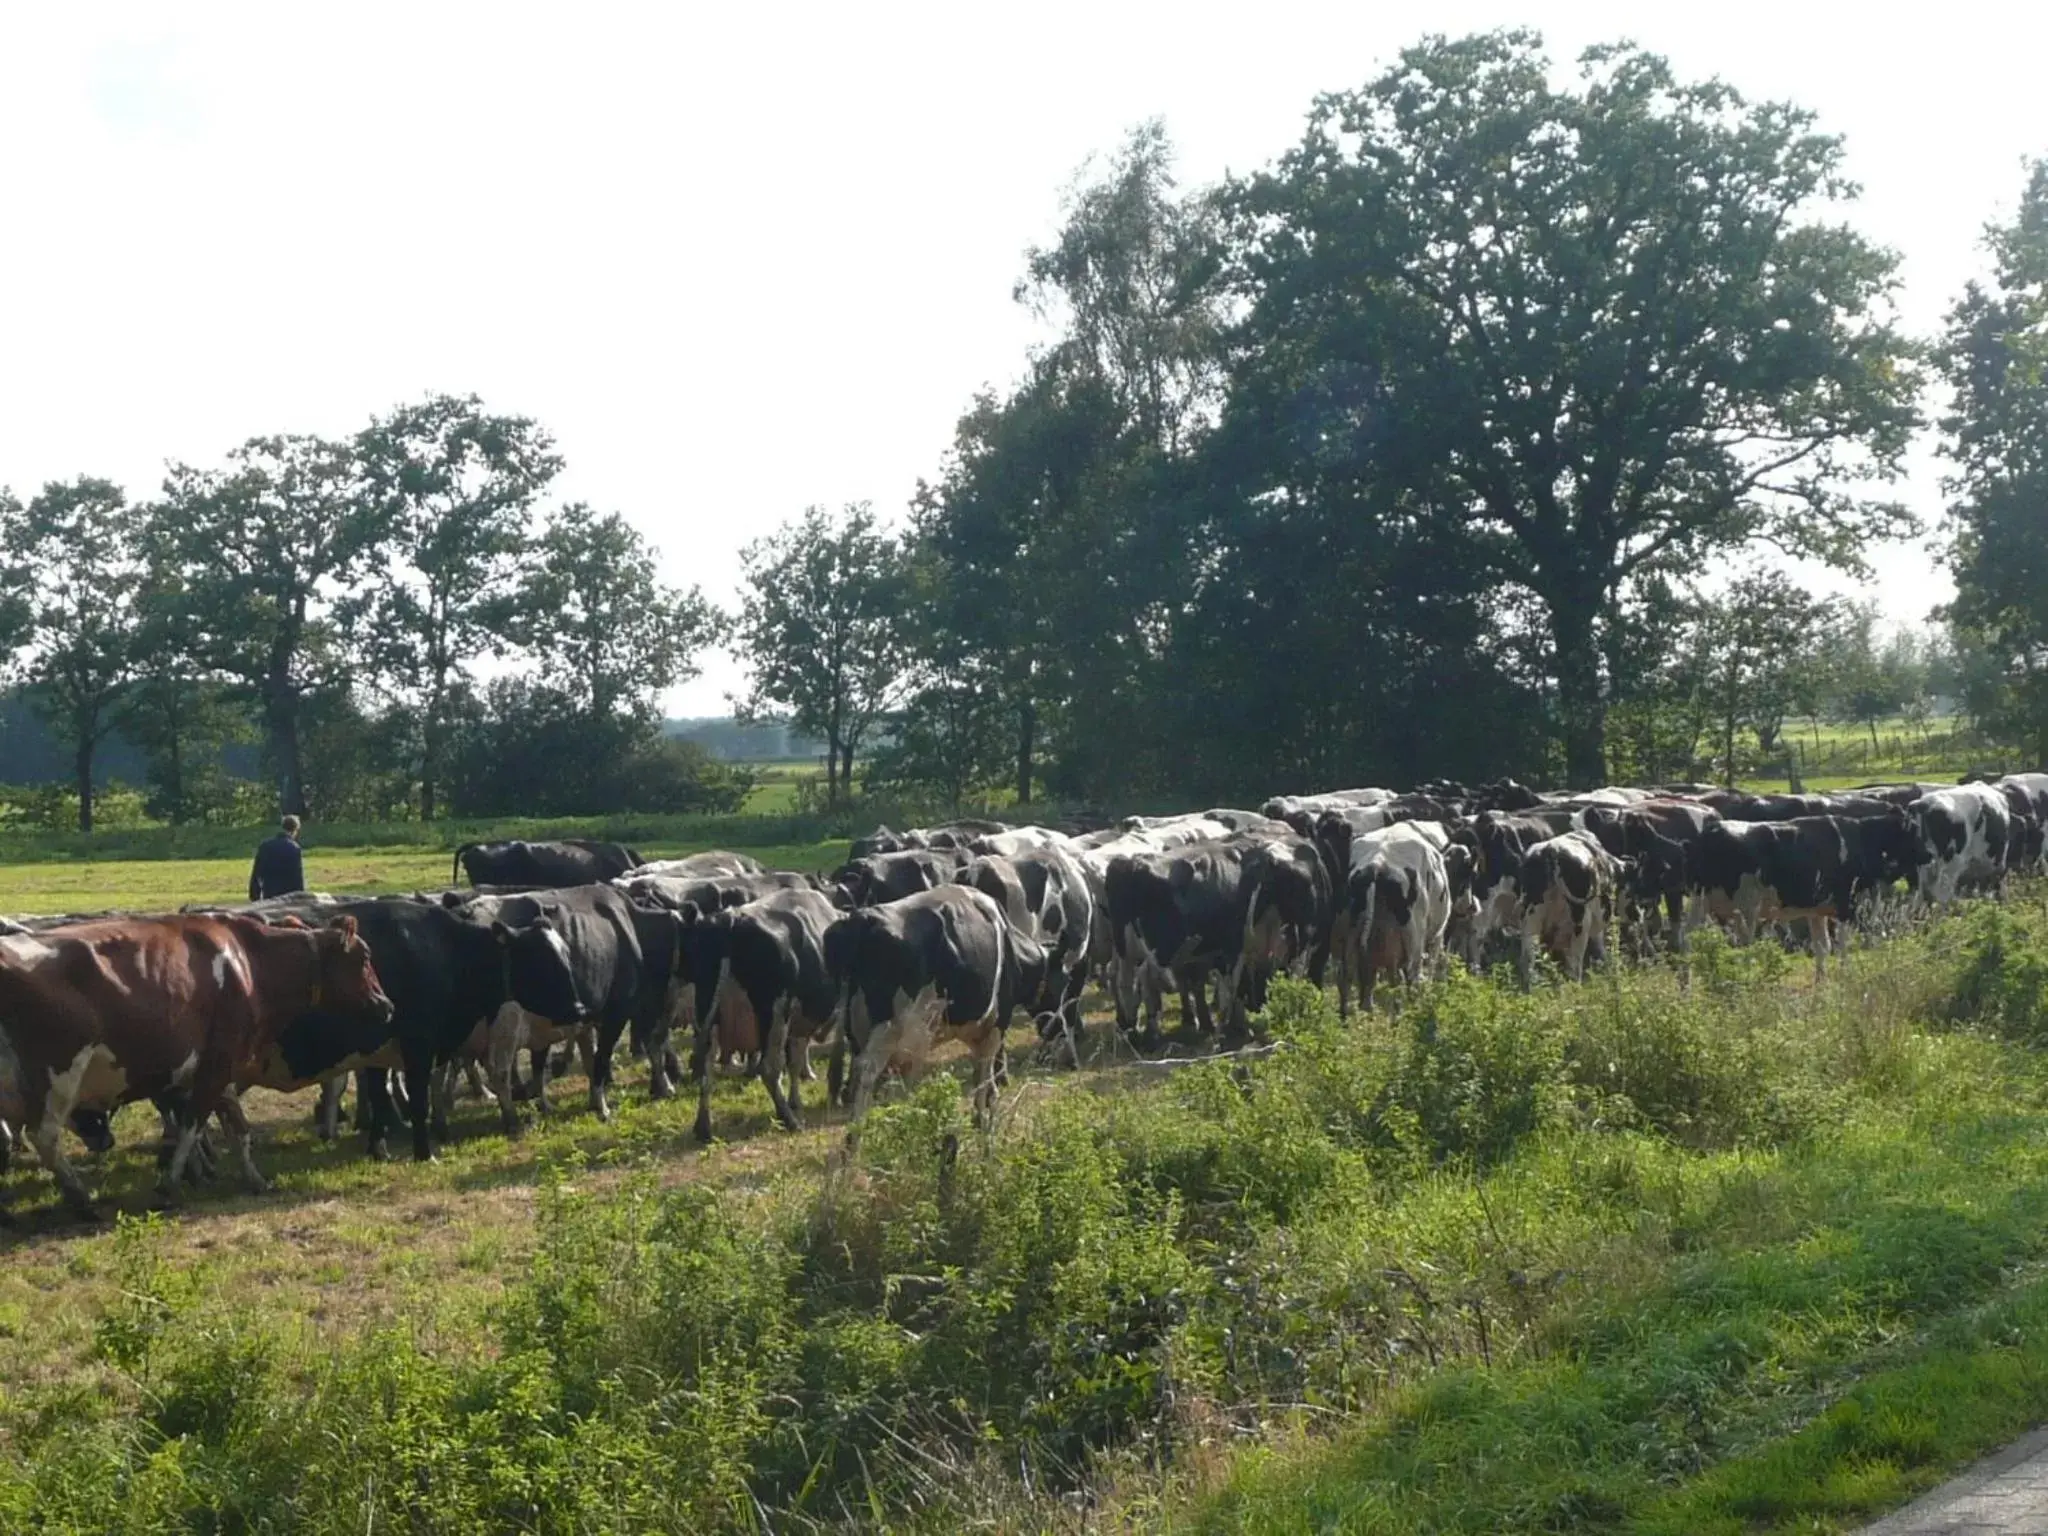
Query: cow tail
<point x="455" y="874"/>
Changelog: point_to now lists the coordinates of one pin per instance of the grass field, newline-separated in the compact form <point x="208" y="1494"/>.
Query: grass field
<point x="1752" y="1254"/>
<point x="96" y="884"/>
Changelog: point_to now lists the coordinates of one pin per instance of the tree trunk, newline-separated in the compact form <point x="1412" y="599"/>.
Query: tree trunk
<point x="846" y="770"/>
<point x="1027" y="735"/>
<point x="284" y="753"/>
<point x="1873" y="735"/>
<point x="430" y="765"/>
<point x="1578" y="692"/>
<point x="82" y="765"/>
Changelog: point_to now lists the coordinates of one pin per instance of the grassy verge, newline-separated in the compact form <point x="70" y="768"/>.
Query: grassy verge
<point x="1751" y="1254"/>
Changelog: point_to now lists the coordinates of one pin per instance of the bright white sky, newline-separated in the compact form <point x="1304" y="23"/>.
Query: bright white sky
<point x="743" y="258"/>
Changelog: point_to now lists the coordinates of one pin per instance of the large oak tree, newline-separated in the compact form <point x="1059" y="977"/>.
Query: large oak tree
<point x="1600" y="332"/>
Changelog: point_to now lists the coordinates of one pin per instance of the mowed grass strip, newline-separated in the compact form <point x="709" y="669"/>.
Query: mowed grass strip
<point x="164" y="884"/>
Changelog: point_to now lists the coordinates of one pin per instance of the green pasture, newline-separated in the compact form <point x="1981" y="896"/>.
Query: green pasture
<point x="90" y="885"/>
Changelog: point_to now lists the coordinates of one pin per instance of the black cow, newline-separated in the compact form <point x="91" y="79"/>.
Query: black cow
<point x="1659" y="838"/>
<point x="1810" y="867"/>
<point x="601" y="931"/>
<point x="892" y="876"/>
<point x="1184" y="911"/>
<point x="572" y="861"/>
<point x="942" y="964"/>
<point x="768" y="957"/>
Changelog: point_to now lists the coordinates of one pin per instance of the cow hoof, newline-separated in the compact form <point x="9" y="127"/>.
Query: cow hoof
<point x="378" y="1152"/>
<point x="702" y="1131"/>
<point x="661" y="1091"/>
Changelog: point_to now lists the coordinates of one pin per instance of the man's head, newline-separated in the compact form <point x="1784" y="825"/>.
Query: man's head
<point x="291" y="826"/>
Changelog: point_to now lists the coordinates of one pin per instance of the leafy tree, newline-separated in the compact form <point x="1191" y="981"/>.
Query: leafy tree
<point x="76" y="547"/>
<point x="180" y="713"/>
<point x="822" y="630"/>
<point x="457" y="485"/>
<point x="1132" y="275"/>
<point x="1994" y="355"/>
<point x="527" y="748"/>
<point x="609" y="635"/>
<point x="1599" y="333"/>
<point x="1757" y="634"/>
<point x="15" y="588"/>
<point x="261" y="549"/>
<point x="1084" y="468"/>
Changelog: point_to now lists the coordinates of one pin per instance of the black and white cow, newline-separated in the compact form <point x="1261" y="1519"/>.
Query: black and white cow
<point x="1394" y="908"/>
<point x="1807" y="867"/>
<point x="951" y="834"/>
<point x="766" y="957"/>
<point x="601" y="931"/>
<point x="2026" y="797"/>
<point x="884" y="877"/>
<point x="446" y="974"/>
<point x="1566" y="889"/>
<point x="1960" y="837"/>
<point x="938" y="965"/>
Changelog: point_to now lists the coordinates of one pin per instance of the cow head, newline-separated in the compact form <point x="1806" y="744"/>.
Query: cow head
<point x="346" y="980"/>
<point x="539" y="974"/>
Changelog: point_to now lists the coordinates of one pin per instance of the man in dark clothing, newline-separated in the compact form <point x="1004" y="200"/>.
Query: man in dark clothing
<point x="280" y="869"/>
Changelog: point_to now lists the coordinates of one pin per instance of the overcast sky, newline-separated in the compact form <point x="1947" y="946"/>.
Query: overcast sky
<point x="739" y="259"/>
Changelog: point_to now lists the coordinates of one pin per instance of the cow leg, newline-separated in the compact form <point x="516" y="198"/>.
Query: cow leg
<point x="48" y="1136"/>
<point x="775" y="1057"/>
<point x="327" y="1116"/>
<point x="187" y="1126"/>
<point x="443" y="1078"/>
<point x="876" y="1054"/>
<point x="505" y="1039"/>
<point x="600" y="1065"/>
<point x="373" y="1090"/>
<point x="543" y="1063"/>
<point x="988" y="1055"/>
<point x="1820" y="940"/>
<point x="658" y="1058"/>
<point x="236" y="1121"/>
<point x="700" y="1068"/>
<point x="1525" y="963"/>
<point x="419" y="1103"/>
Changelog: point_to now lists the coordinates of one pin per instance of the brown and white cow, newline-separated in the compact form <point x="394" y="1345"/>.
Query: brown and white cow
<point x="185" y="1009"/>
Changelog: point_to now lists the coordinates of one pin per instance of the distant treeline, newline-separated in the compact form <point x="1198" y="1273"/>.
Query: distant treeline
<point x="31" y="753"/>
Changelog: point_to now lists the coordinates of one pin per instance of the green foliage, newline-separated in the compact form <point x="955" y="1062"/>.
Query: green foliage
<point x="70" y="562"/>
<point x="823" y="630"/>
<point x="1594" y="333"/>
<point x="1995" y="357"/>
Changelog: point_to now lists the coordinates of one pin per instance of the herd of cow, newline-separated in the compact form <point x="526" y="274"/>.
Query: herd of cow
<point x="936" y="934"/>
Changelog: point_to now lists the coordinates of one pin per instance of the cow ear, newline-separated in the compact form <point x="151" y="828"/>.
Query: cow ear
<point x="500" y="932"/>
<point x="347" y="927"/>
<point x="541" y="924"/>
